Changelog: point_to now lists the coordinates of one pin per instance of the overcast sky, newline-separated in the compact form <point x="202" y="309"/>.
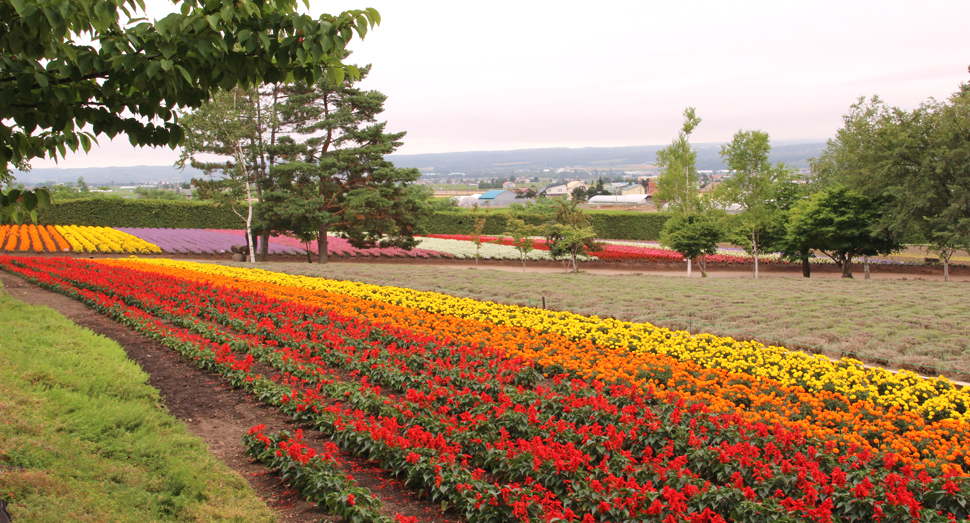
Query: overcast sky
<point x="498" y="75"/>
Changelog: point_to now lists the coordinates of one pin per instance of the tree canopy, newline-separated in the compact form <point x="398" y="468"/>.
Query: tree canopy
<point x="754" y="183"/>
<point x="916" y="162"/>
<point x="71" y="71"/>
<point x="839" y="223"/>
<point x="335" y="166"/>
<point x="677" y="182"/>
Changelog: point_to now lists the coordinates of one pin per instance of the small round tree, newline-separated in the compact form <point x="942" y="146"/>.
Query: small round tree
<point x="694" y="235"/>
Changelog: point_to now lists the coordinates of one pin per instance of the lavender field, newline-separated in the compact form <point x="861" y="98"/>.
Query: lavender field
<point x="199" y="241"/>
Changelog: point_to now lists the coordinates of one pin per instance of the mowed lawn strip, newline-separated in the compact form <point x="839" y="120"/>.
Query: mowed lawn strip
<point x="894" y="323"/>
<point x="84" y="438"/>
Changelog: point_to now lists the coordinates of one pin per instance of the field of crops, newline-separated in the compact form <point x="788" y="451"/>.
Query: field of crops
<point x="125" y="240"/>
<point x="507" y="413"/>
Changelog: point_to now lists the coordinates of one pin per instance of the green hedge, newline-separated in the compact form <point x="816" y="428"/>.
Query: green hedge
<point x="612" y="225"/>
<point x="120" y="212"/>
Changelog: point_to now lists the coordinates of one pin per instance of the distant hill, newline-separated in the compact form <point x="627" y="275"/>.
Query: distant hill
<point x="107" y="175"/>
<point x="792" y="152"/>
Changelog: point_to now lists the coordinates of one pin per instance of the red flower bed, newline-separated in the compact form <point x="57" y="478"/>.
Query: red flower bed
<point x="477" y="430"/>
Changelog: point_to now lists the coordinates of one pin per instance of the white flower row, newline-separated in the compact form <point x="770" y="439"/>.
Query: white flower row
<point x="772" y="256"/>
<point x="489" y="251"/>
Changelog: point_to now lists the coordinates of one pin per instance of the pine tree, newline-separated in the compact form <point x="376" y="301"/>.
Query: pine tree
<point x="335" y="178"/>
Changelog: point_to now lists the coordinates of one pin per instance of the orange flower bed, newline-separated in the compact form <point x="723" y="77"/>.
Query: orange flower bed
<point x="829" y="417"/>
<point x="45" y="237"/>
<point x="62" y="245"/>
<point x="34" y="236"/>
<point x="13" y="238"/>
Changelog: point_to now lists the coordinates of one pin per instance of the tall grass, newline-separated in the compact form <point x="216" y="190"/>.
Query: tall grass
<point x="84" y="438"/>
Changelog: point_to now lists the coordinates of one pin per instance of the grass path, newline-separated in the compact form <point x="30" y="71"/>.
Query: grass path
<point x="84" y="438"/>
<point x="923" y="325"/>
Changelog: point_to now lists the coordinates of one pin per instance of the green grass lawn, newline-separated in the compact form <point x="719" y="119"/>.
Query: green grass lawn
<point x="888" y="322"/>
<point x="84" y="438"/>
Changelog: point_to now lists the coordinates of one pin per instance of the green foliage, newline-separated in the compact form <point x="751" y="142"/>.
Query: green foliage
<point x="479" y="225"/>
<point x="156" y="194"/>
<point x="754" y="185"/>
<point x="695" y="235"/>
<point x="119" y="212"/>
<point x="840" y="223"/>
<point x="677" y="183"/>
<point x="84" y="438"/>
<point x="16" y="204"/>
<point x="569" y="233"/>
<point x="917" y="162"/>
<point x="52" y="84"/>
<point x="339" y="173"/>
<point x="522" y="234"/>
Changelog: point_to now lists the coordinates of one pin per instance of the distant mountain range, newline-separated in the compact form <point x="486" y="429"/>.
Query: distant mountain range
<point x="793" y="152"/>
<point x="94" y="176"/>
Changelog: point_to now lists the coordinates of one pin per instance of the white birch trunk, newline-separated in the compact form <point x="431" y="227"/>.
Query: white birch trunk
<point x="688" y="267"/>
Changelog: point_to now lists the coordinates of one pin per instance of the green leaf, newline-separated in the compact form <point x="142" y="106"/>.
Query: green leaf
<point x="166" y="64"/>
<point x="30" y="201"/>
<point x="152" y="69"/>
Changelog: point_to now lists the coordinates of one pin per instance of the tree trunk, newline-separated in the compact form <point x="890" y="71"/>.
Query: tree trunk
<point x="846" y="267"/>
<point x="575" y="264"/>
<point x="254" y="243"/>
<point x="806" y="267"/>
<point x="865" y="266"/>
<point x="322" y="245"/>
<point x="702" y="263"/>
<point x="688" y="267"/>
<point x="945" y="255"/>
<point x="754" y="250"/>
<point x="308" y="258"/>
<point x="264" y="247"/>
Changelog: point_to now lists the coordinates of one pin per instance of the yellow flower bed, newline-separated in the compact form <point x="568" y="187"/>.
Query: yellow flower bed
<point x="932" y="398"/>
<point x="106" y="240"/>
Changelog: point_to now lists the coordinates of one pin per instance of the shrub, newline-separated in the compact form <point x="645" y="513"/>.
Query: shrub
<point x="120" y="212"/>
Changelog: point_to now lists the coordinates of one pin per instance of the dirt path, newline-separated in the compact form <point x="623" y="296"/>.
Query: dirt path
<point x="221" y="416"/>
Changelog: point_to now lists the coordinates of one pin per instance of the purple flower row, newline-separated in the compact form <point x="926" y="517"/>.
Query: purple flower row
<point x="340" y="247"/>
<point x="198" y="241"/>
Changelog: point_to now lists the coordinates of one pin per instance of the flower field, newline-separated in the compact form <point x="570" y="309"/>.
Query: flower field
<point x="32" y="238"/>
<point x="506" y="413"/>
<point x="199" y="241"/>
<point x="612" y="250"/>
<point x="341" y="247"/>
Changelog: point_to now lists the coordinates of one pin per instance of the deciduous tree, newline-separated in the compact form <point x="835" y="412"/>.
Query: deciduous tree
<point x="694" y="235"/>
<point x="71" y="71"/>
<point x="754" y="183"/>
<point x="677" y="182"/>
<point x="839" y="222"/>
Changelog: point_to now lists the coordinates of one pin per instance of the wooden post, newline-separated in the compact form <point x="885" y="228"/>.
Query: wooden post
<point x="543" y="303"/>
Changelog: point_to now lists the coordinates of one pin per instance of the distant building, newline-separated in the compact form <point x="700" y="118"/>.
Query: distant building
<point x="508" y="185"/>
<point x="630" y="189"/>
<point x="562" y="188"/>
<point x="631" y="199"/>
<point x="496" y="198"/>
